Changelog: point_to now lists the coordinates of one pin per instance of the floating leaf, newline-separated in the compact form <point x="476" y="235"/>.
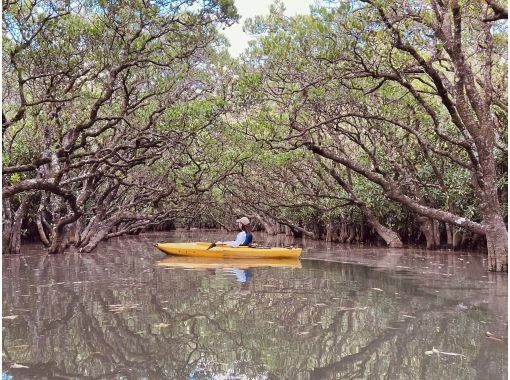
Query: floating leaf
<point x="16" y="365"/>
<point x="450" y="353"/>
<point x="490" y="335"/>
<point x="436" y="351"/>
<point x="161" y="325"/>
<point x="117" y="308"/>
<point x="352" y="308"/>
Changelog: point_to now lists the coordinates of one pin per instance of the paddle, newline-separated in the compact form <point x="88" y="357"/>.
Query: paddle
<point x="214" y="245"/>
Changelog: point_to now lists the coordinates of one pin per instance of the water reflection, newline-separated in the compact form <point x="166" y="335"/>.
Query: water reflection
<point x="214" y="263"/>
<point x="122" y="313"/>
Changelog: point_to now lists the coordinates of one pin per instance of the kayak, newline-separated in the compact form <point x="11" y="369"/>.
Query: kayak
<point x="200" y="249"/>
<point x="219" y="263"/>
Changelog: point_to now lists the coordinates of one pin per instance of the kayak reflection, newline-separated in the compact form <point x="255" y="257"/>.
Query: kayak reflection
<point x="219" y="263"/>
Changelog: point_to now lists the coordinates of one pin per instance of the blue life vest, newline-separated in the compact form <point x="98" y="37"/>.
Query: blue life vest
<point x="248" y="240"/>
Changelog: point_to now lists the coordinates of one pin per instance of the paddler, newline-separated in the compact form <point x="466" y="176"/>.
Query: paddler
<point x="245" y="237"/>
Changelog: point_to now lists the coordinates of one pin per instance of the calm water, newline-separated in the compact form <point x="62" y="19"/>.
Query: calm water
<point x="348" y="313"/>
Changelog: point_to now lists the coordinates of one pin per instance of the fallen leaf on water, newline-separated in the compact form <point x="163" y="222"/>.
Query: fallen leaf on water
<point x="16" y="365"/>
<point x="494" y="338"/>
<point x="162" y="325"/>
<point x="451" y="354"/>
<point x="379" y="290"/>
<point x="118" y="308"/>
<point x="341" y="308"/>
<point x="436" y="351"/>
<point x="490" y="335"/>
<point x="10" y="317"/>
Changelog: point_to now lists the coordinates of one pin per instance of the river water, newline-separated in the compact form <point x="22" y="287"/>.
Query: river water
<point x="123" y="312"/>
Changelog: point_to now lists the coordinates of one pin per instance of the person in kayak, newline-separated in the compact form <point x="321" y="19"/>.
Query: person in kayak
<point x="245" y="237"/>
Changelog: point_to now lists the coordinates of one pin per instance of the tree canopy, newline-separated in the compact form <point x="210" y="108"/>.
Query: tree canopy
<point x="362" y="120"/>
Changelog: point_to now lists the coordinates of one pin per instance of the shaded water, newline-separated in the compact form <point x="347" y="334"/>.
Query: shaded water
<point x="359" y="313"/>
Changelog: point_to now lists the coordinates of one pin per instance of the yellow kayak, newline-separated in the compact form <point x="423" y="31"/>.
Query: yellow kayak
<point x="219" y="263"/>
<point x="200" y="249"/>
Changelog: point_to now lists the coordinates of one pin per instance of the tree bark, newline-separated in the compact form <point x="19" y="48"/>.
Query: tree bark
<point x="61" y="236"/>
<point x="449" y="235"/>
<point x="15" y="239"/>
<point x="329" y="231"/>
<point x="270" y="227"/>
<point x="342" y="237"/>
<point x="427" y="227"/>
<point x="352" y="233"/>
<point x="39" y="222"/>
<point x="6" y="225"/>
<point x="458" y="237"/>
<point x="40" y="229"/>
<point x="95" y="239"/>
<point x="437" y="233"/>
<point x="389" y="236"/>
<point x="497" y="244"/>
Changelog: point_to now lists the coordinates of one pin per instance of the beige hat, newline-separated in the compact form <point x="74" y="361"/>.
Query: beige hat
<point x="244" y="221"/>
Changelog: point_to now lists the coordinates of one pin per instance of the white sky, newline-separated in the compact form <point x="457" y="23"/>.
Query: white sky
<point x="250" y="8"/>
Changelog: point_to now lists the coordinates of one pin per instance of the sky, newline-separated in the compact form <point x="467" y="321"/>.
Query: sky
<point x="250" y="8"/>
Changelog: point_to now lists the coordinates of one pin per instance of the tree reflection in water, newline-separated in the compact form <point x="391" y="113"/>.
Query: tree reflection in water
<point x="114" y="314"/>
